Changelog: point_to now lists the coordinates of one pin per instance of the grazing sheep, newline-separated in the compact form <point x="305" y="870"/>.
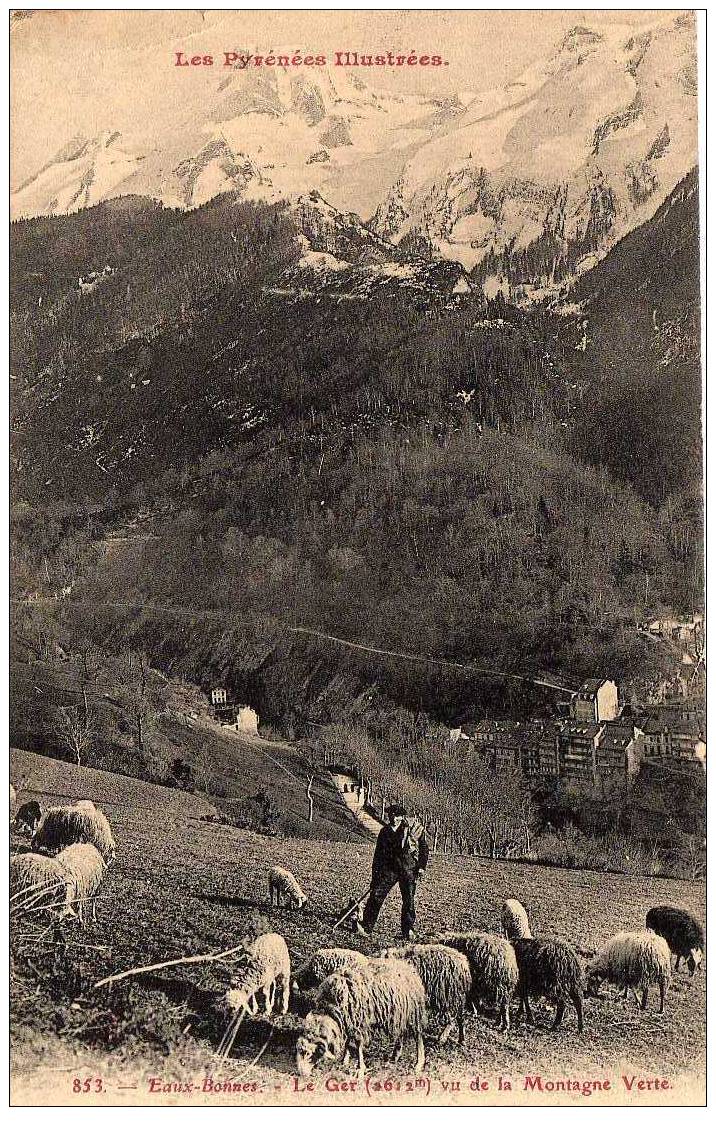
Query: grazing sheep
<point x="27" y="817"/>
<point x="386" y="997"/>
<point x="266" y="968"/>
<point x="549" y="968"/>
<point x="325" y="962"/>
<point x="83" y="869"/>
<point x="283" y="885"/>
<point x="683" y="933"/>
<point x="493" y="966"/>
<point x="515" y="923"/>
<point x="446" y="977"/>
<point x="36" y="881"/>
<point x="633" y="960"/>
<point x="66" y="824"/>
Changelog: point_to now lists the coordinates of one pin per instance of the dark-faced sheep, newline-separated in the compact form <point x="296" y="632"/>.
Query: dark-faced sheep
<point x="446" y="977"/>
<point x="632" y="960"/>
<point x="351" y="1007"/>
<point x="493" y="967"/>
<point x="27" y="817"/>
<point x="549" y="968"/>
<point x="683" y="933"/>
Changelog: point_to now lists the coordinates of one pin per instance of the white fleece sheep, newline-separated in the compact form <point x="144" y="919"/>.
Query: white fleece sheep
<point x="283" y="885"/>
<point x="266" y="969"/>
<point x="69" y="879"/>
<point x="83" y="823"/>
<point x="324" y="962"/>
<point x="633" y="960"/>
<point x="446" y="977"/>
<point x="385" y="997"/>
<point x="84" y="870"/>
<point x="515" y="923"/>
<point x="36" y="881"/>
<point x="493" y="966"/>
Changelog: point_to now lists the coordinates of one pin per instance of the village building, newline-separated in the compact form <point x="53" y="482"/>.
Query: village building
<point x="218" y="697"/>
<point x="577" y="751"/>
<point x="618" y="754"/>
<point x="500" y="740"/>
<point x="596" y="701"/>
<point x="680" y="741"/>
<point x="239" y="717"/>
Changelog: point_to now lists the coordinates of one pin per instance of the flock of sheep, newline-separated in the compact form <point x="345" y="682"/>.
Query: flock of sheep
<point x="391" y="995"/>
<point x="358" y="998"/>
<point x="72" y="847"/>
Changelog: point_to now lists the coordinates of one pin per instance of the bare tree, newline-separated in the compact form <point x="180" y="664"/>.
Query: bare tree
<point x="309" y="795"/>
<point x="76" y="730"/>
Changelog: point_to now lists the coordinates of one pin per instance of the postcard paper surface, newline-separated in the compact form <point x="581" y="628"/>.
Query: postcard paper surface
<point x="357" y="619"/>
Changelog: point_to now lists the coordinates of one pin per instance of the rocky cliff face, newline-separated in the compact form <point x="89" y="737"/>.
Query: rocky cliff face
<point x="536" y="179"/>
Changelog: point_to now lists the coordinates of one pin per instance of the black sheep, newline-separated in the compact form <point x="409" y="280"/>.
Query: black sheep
<point x="683" y="934"/>
<point x="549" y="968"/>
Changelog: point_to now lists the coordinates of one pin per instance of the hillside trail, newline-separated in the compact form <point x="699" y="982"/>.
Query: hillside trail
<point x="351" y="799"/>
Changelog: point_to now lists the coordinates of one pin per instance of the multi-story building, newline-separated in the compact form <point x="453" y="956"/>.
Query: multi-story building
<point x="577" y="751"/>
<point x="678" y="741"/>
<point x="596" y="701"/>
<point x="618" y="754"/>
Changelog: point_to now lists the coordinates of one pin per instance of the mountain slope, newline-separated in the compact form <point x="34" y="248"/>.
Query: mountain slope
<point x="561" y="163"/>
<point x="522" y="184"/>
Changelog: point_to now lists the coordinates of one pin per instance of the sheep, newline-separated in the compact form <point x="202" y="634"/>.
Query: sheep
<point x="71" y="877"/>
<point x="324" y="962"/>
<point x="515" y="923"/>
<point x="549" y="968"/>
<point x="83" y="869"/>
<point x="266" y="968"/>
<point x="493" y="966"/>
<point x="36" y="881"/>
<point x="352" y="1005"/>
<point x="633" y="960"/>
<point x="27" y="817"/>
<point x="446" y="977"/>
<point x="65" y="825"/>
<point x="682" y="932"/>
<point x="284" y="885"/>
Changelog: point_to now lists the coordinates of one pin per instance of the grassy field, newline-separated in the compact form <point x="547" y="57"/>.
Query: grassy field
<point x="181" y="885"/>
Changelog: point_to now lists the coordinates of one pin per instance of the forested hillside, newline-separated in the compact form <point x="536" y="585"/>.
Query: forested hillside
<point x="204" y="456"/>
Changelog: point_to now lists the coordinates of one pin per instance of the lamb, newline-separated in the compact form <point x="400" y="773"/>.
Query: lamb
<point x="682" y="932"/>
<point x="79" y="824"/>
<point x="493" y="966"/>
<point x="446" y="977"/>
<point x="515" y="923"/>
<point x="284" y="885"/>
<point x="27" y="817"/>
<point x="351" y="1006"/>
<point x="634" y="960"/>
<point x="265" y="969"/>
<point x="549" y="968"/>
<point x="324" y="962"/>
<point x="83" y="869"/>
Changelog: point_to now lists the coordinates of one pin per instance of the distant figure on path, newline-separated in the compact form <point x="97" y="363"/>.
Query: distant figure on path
<point x="401" y="857"/>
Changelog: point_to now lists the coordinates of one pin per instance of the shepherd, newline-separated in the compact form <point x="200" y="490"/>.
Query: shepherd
<point x="401" y="857"/>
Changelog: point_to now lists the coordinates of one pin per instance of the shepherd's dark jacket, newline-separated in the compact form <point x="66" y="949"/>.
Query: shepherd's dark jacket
<point x="404" y="853"/>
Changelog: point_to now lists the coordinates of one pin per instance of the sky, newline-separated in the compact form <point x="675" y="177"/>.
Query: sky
<point x="83" y="72"/>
